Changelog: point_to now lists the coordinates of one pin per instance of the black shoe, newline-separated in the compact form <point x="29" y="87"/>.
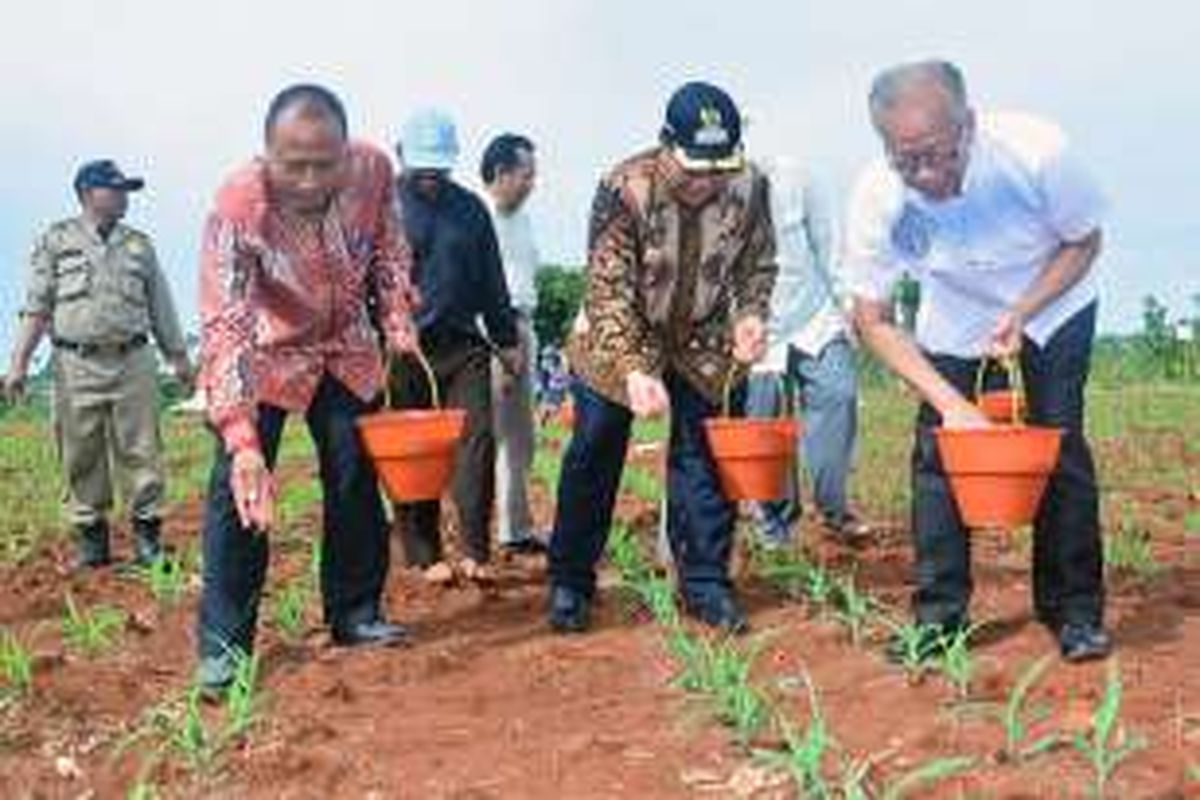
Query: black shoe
<point x="570" y="610"/>
<point x="526" y="546"/>
<point x="928" y="644"/>
<point x="147" y="541"/>
<point x="377" y="632"/>
<point x="717" y="608"/>
<point x="1084" y="642"/>
<point x="849" y="531"/>
<point x="91" y="543"/>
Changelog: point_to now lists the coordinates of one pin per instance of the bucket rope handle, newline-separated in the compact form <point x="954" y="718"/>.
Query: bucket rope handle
<point x="787" y="408"/>
<point x="1016" y="382"/>
<point x="430" y="376"/>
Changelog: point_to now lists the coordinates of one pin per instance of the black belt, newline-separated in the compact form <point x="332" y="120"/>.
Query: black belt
<point x="445" y="337"/>
<point x="102" y="348"/>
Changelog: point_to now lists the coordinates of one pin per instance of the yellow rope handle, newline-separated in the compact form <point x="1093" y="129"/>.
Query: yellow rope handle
<point x="1016" y="382"/>
<point x="430" y="376"/>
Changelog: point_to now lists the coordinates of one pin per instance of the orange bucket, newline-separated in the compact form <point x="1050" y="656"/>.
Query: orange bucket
<point x="1001" y="405"/>
<point x="413" y="449"/>
<point x="998" y="475"/>
<point x="753" y="456"/>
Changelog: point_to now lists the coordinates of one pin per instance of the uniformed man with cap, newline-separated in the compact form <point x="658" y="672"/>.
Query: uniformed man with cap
<point x="96" y="288"/>
<point x="681" y="265"/>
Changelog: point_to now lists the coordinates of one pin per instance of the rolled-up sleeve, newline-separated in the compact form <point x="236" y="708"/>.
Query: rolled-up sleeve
<point x="1074" y="202"/>
<point x="227" y="334"/>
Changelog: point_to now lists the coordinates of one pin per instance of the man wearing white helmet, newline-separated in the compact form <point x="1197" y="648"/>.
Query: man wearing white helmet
<point x="460" y="276"/>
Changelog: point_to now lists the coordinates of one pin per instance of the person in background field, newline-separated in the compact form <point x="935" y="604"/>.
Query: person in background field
<point x="97" y="289"/>
<point x="509" y="170"/>
<point x="681" y="263"/>
<point x="810" y="353"/>
<point x="1000" y="223"/>
<point x="461" y="279"/>
<point x="297" y="241"/>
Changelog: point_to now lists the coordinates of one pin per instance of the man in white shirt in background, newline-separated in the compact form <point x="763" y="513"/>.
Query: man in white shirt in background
<point x="812" y="354"/>
<point x="1000" y="224"/>
<point x="509" y="170"/>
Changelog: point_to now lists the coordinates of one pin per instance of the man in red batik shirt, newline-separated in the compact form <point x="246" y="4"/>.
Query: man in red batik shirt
<point x="298" y="240"/>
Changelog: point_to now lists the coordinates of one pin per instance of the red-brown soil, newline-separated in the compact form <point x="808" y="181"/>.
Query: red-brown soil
<point x="488" y="704"/>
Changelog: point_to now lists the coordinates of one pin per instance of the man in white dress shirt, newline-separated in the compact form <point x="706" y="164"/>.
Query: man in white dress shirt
<point x="1000" y="224"/>
<point x="509" y="171"/>
<point x="811" y="355"/>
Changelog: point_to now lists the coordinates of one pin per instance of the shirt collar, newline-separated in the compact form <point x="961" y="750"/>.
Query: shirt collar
<point x="93" y="231"/>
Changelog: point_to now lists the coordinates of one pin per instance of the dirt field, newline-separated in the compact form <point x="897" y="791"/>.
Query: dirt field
<point x="488" y="704"/>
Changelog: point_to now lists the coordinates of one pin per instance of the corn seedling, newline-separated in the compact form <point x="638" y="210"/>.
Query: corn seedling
<point x="784" y="569"/>
<point x="175" y="727"/>
<point x="819" y="586"/>
<point x="924" y="776"/>
<point x="804" y="753"/>
<point x="1107" y="744"/>
<point x="165" y="578"/>
<point x="16" y="664"/>
<point x="178" y="727"/>
<point x="691" y="657"/>
<point x="737" y="703"/>
<point x="911" y="640"/>
<point x="718" y="673"/>
<point x="653" y="591"/>
<point x="853" y="783"/>
<point x="1018" y="717"/>
<point x="242" y="700"/>
<point x="854" y="608"/>
<point x="956" y="661"/>
<point x="1128" y="548"/>
<point x="287" y="609"/>
<point x="659" y="596"/>
<point x="90" y="631"/>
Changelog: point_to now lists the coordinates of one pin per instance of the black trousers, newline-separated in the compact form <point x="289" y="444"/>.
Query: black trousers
<point x="354" y="551"/>
<point x="1068" y="563"/>
<point x="462" y="364"/>
<point x="700" y="520"/>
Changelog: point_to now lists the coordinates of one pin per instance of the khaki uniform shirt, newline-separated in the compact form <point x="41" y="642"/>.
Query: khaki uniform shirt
<point x="97" y="291"/>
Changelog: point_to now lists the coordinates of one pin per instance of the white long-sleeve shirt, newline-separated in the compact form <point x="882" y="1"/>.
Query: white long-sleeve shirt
<point x="806" y="311"/>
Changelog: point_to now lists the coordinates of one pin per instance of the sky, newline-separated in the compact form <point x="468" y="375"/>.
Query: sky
<point x="176" y="92"/>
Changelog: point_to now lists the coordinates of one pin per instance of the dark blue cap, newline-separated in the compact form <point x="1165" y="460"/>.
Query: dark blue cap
<point x="104" y="174"/>
<point x="704" y="123"/>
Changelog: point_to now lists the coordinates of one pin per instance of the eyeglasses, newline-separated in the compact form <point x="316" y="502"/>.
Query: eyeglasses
<point x="937" y="156"/>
